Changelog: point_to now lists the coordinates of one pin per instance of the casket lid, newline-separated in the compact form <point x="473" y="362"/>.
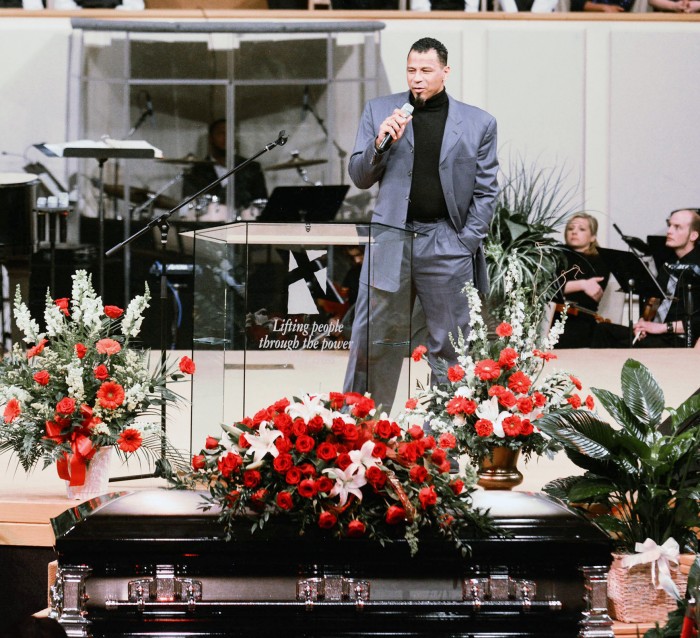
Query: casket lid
<point x="171" y="521"/>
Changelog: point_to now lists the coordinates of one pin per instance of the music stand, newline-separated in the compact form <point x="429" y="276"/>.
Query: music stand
<point x="101" y="151"/>
<point x="303" y="203"/>
<point x="633" y="276"/>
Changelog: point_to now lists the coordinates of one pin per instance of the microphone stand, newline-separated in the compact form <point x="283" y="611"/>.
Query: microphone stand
<point x="162" y="223"/>
<point x="637" y="246"/>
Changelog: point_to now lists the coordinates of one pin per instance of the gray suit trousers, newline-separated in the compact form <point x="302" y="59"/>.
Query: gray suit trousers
<point x="435" y="266"/>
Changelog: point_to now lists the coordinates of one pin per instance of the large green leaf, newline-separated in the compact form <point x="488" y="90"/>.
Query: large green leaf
<point x="591" y="489"/>
<point x="579" y="430"/>
<point x="559" y="488"/>
<point x="620" y="413"/>
<point x="642" y="393"/>
<point x="686" y="410"/>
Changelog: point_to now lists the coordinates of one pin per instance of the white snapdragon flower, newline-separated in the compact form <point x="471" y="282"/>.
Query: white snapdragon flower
<point x="74" y="380"/>
<point x="134" y="396"/>
<point x="133" y="317"/>
<point x="24" y="321"/>
<point x="55" y="324"/>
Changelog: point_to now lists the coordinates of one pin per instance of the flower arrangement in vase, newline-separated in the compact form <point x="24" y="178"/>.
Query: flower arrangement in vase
<point x="81" y="385"/>
<point x="491" y="400"/>
<point x="329" y="462"/>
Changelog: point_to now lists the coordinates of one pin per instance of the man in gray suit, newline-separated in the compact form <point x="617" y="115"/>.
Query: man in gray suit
<point x="438" y="179"/>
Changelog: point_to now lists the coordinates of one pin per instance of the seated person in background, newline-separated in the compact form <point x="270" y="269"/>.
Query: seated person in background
<point x="676" y="6"/>
<point x="249" y="183"/>
<point x="586" y="277"/>
<point x="605" y="6"/>
<point x="666" y="324"/>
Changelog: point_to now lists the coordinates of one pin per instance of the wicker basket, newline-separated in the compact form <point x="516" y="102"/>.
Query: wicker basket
<point x="632" y="597"/>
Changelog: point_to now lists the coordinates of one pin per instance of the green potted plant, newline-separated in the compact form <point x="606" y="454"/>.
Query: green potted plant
<point x="532" y="204"/>
<point x="646" y="480"/>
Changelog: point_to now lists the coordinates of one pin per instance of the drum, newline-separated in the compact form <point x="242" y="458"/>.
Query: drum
<point x="17" y="223"/>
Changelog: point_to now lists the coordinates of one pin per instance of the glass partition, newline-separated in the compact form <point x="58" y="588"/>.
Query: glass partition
<point x="274" y="306"/>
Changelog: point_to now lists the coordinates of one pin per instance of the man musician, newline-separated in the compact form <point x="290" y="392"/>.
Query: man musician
<point x="664" y="324"/>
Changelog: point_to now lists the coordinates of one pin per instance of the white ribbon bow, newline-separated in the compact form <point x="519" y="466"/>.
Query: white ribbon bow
<point x="659" y="556"/>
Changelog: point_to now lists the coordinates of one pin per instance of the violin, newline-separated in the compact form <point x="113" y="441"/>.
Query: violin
<point x="573" y="310"/>
<point x="650" y="308"/>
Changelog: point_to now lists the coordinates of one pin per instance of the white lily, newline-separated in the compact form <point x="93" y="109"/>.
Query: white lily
<point x="309" y="408"/>
<point x="263" y="443"/>
<point x="362" y="457"/>
<point x="491" y="411"/>
<point x="346" y="483"/>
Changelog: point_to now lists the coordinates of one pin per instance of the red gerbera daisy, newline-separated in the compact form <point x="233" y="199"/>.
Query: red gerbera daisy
<point x="130" y="440"/>
<point x="110" y="395"/>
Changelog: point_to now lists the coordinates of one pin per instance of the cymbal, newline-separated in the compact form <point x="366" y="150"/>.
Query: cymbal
<point x="295" y="162"/>
<point x="188" y="159"/>
<point x="138" y="195"/>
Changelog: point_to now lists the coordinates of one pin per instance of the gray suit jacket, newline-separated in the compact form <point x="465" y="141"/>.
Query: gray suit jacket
<point x="468" y="172"/>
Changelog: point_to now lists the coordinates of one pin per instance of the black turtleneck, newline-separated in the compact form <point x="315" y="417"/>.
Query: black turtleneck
<point x="427" y="201"/>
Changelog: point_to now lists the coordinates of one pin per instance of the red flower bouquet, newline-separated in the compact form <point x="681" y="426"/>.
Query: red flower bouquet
<point x="330" y="462"/>
<point x="497" y="391"/>
<point x="81" y="385"/>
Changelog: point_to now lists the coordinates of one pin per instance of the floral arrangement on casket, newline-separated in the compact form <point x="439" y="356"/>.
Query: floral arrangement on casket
<point x="330" y="462"/>
<point x="81" y="385"/>
<point x="496" y="392"/>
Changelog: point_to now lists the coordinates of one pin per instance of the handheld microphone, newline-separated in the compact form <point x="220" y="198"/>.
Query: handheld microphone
<point x="407" y="110"/>
<point x="305" y="103"/>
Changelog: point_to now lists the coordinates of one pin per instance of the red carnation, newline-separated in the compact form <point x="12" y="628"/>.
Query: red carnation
<point x="483" y="427"/>
<point x="418" y="353"/>
<point x="546" y="356"/>
<point x="525" y="405"/>
<point x="507" y="399"/>
<point x="187" y="365"/>
<point x="37" y="349"/>
<point x="416" y="432"/>
<point x="438" y="456"/>
<point x="80" y="350"/>
<point x="487" y="370"/>
<point x="130" y="440"/>
<point x="447" y="441"/>
<point x="12" y="410"/>
<point x="526" y="428"/>
<point x="108" y="346"/>
<point x="42" y="377"/>
<point x="507" y="358"/>
<point x="411" y="404"/>
<point x="589" y="402"/>
<point x="455" y="373"/>
<point x="356" y="528"/>
<point x="110" y="395"/>
<point x="539" y="399"/>
<point x="460" y="405"/>
<point x="576" y="382"/>
<point x="113" y="312"/>
<point x="285" y="501"/>
<point x="574" y="401"/>
<point x="504" y="329"/>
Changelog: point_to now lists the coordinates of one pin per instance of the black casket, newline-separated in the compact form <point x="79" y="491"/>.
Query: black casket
<point x="151" y="563"/>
